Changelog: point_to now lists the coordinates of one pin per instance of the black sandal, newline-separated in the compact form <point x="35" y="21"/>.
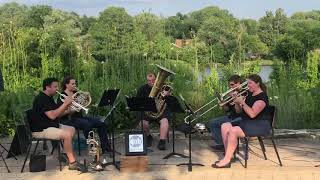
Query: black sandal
<point x="225" y="166"/>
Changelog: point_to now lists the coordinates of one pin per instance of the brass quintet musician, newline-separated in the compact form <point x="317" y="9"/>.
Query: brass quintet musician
<point x="45" y="120"/>
<point x="77" y="120"/>
<point x="215" y="124"/>
<point x="144" y="91"/>
<point x="254" y="119"/>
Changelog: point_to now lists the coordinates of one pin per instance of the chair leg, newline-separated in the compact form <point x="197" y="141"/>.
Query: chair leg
<point x="238" y="148"/>
<point x="25" y="160"/>
<point x="4" y="161"/>
<point x="59" y="155"/>
<point x="13" y="155"/>
<point x="45" y="145"/>
<point x="54" y="144"/>
<point x="276" y="150"/>
<point x="34" y="151"/>
<point x="262" y="147"/>
<point x="79" y="149"/>
<point x="246" y="152"/>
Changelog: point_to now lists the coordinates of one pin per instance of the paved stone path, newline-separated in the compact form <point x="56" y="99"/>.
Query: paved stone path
<point x="299" y="156"/>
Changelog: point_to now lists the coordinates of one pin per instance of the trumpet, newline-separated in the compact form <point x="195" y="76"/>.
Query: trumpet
<point x="221" y="100"/>
<point x="80" y="102"/>
<point x="231" y="94"/>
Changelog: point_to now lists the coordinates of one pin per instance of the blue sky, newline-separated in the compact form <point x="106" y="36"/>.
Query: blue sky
<point x="239" y="8"/>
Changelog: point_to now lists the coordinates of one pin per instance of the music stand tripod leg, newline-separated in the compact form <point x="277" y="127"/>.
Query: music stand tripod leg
<point x="173" y="153"/>
<point x="115" y="163"/>
<point x="190" y="164"/>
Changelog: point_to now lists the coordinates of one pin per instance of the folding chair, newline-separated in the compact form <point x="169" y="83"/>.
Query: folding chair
<point x="272" y="111"/>
<point x="27" y="121"/>
<point x="3" y="159"/>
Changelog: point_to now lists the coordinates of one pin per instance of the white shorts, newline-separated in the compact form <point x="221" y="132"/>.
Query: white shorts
<point x="52" y="132"/>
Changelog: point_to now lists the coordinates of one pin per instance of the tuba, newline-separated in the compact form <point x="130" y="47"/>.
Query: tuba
<point x="156" y="92"/>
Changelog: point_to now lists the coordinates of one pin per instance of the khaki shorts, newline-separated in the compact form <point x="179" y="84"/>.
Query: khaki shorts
<point x="52" y="132"/>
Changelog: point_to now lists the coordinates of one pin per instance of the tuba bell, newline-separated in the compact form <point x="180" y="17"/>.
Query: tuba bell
<point x="156" y="92"/>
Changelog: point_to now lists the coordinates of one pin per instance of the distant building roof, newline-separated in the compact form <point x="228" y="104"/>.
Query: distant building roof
<point x="183" y="42"/>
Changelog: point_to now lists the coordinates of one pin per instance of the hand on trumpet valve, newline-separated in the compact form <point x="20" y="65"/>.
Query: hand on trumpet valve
<point x="239" y="99"/>
<point x="68" y="100"/>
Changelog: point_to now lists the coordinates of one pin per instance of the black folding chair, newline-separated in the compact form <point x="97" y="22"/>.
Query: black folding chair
<point x="3" y="159"/>
<point x="272" y="111"/>
<point x="27" y="121"/>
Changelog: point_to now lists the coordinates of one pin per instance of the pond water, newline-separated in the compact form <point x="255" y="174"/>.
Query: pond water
<point x="264" y="73"/>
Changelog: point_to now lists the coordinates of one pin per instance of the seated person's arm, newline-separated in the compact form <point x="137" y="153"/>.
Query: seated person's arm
<point x="238" y="108"/>
<point x="257" y="107"/>
<point x="225" y="106"/>
<point x="68" y="111"/>
<point x="54" y="114"/>
<point x="237" y="102"/>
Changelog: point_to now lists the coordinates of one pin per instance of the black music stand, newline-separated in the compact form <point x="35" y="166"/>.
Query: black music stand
<point x="141" y="104"/>
<point x="174" y="107"/>
<point x="108" y="98"/>
<point x="189" y="111"/>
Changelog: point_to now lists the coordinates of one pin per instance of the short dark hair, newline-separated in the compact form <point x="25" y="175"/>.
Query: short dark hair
<point x="151" y="73"/>
<point x="48" y="81"/>
<point x="66" y="81"/>
<point x="235" y="78"/>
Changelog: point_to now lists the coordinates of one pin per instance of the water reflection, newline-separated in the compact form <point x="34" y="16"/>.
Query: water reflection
<point x="265" y="73"/>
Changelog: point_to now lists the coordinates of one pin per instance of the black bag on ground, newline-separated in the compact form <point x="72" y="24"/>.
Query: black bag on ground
<point x="37" y="163"/>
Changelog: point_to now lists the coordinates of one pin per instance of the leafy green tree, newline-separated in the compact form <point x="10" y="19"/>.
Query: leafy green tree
<point x="251" y="25"/>
<point x="200" y="16"/>
<point x="149" y="24"/>
<point x="311" y="15"/>
<point x="12" y="13"/>
<point x="86" y="23"/>
<point x="219" y="33"/>
<point x="266" y="30"/>
<point x="36" y="15"/>
<point x="110" y="32"/>
<point x="180" y="26"/>
<point x="288" y="48"/>
<point x="254" y="47"/>
<point x="29" y="40"/>
<point x="280" y="22"/>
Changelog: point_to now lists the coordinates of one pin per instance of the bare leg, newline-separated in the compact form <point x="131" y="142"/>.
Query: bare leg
<point x="146" y="127"/>
<point x="164" y="128"/>
<point x="67" y="137"/>
<point x="225" y="129"/>
<point x="232" y="143"/>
